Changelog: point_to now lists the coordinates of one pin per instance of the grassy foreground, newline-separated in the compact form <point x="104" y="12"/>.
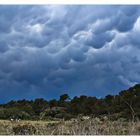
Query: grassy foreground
<point x="94" y="126"/>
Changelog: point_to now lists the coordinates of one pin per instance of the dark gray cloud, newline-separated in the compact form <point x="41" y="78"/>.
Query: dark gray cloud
<point x="47" y="50"/>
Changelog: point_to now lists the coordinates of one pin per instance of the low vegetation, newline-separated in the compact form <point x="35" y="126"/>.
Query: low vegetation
<point x="92" y="126"/>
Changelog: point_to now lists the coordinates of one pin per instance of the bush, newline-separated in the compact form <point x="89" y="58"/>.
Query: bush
<point x="26" y="129"/>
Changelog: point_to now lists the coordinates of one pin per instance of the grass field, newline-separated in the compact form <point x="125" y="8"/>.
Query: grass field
<point x="93" y="126"/>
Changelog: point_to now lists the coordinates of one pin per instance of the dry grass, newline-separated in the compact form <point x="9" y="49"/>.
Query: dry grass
<point x="94" y="126"/>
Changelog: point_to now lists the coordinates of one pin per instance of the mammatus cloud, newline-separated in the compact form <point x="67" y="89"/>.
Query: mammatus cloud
<point x="51" y="49"/>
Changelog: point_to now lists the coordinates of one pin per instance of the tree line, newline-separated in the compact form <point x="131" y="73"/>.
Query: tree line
<point x="126" y="104"/>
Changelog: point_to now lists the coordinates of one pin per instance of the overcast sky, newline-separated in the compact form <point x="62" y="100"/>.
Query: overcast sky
<point x="49" y="50"/>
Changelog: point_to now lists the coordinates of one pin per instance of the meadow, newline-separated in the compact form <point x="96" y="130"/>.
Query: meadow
<point x="92" y="126"/>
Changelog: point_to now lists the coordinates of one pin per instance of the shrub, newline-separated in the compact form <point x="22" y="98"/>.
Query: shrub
<point x="26" y="129"/>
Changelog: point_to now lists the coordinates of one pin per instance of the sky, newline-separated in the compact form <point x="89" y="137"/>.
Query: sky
<point x="49" y="50"/>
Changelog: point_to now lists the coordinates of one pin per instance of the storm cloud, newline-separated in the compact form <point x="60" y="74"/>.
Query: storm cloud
<point x="48" y="50"/>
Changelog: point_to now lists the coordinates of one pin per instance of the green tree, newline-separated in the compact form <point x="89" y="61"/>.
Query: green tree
<point x="64" y="97"/>
<point x="63" y="100"/>
<point x="53" y="103"/>
<point x="39" y="105"/>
